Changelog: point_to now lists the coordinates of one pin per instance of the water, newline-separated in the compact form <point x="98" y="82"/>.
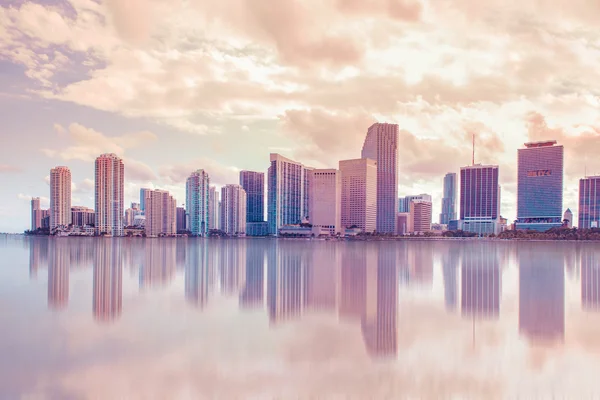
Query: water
<point x="259" y="318"/>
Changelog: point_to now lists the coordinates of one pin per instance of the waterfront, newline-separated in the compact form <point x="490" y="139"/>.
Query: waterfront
<point x="265" y="318"/>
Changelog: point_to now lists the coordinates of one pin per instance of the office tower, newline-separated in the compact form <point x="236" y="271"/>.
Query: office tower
<point x="181" y="219"/>
<point x="306" y="192"/>
<point x="254" y="185"/>
<point x="129" y="217"/>
<point x="197" y="192"/>
<point x="160" y="212"/>
<point x="381" y="145"/>
<point x="589" y="202"/>
<point x="404" y="202"/>
<point x="540" y="186"/>
<point x="449" y="199"/>
<point x="214" y="213"/>
<point x="233" y="210"/>
<point x="287" y="193"/>
<point x="143" y="195"/>
<point x="568" y="218"/>
<point x="326" y="199"/>
<point x="420" y="216"/>
<point x="36" y="214"/>
<point x="359" y="194"/>
<point x="403" y="224"/>
<point x="45" y="219"/>
<point x="109" y="195"/>
<point x="107" y="300"/>
<point x="83" y="216"/>
<point x="60" y="197"/>
<point x="479" y="199"/>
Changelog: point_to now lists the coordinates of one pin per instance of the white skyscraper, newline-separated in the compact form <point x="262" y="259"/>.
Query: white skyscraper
<point x="109" y="195"/>
<point x="359" y="194"/>
<point x="326" y="199"/>
<point x="381" y="145"/>
<point x="60" y="197"/>
<point x="233" y="210"/>
<point x="161" y="213"/>
<point x="197" y="203"/>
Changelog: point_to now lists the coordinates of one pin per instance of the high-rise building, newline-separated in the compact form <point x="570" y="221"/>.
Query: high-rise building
<point x="381" y="145"/>
<point x="83" y="216"/>
<point x="197" y="203"/>
<point x="568" y="218"/>
<point x="479" y="199"/>
<point x="404" y="222"/>
<point x="181" y="226"/>
<point x="36" y="214"/>
<point x="287" y="193"/>
<point x="254" y="185"/>
<point x="233" y="210"/>
<point x="129" y="218"/>
<point x="109" y="195"/>
<point x="589" y="202"/>
<point x="214" y="213"/>
<point x="540" y="186"/>
<point x="326" y="199"/>
<point x="160" y="213"/>
<point x="404" y="202"/>
<point x="143" y="195"/>
<point x="359" y="194"/>
<point x="420" y="216"/>
<point x="449" y="199"/>
<point x="60" y="197"/>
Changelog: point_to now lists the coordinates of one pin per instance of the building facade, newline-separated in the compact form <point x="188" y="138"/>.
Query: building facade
<point x="83" y="216"/>
<point x="404" y="202"/>
<point x="109" y="198"/>
<point x="449" y="199"/>
<point x="287" y="193"/>
<point x="359" y="194"/>
<point x="254" y="185"/>
<point x="540" y="186"/>
<point x="143" y="195"/>
<point x="326" y="199"/>
<point x="589" y="202"/>
<point x="233" y="210"/>
<point x="214" y="212"/>
<point x="403" y="223"/>
<point x="181" y="226"/>
<point x="381" y="145"/>
<point x="420" y="216"/>
<point x="161" y="214"/>
<point x="568" y="218"/>
<point x="60" y="197"/>
<point x="197" y="203"/>
<point x="479" y="199"/>
<point x="36" y="214"/>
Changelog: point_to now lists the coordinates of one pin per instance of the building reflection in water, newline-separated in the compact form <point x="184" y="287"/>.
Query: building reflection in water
<point x="58" y="274"/>
<point x="323" y="277"/>
<point x="196" y="273"/>
<point x="541" y="295"/>
<point x="450" y="255"/>
<point x="232" y="265"/>
<point x="108" y="280"/>
<point x="252" y="294"/>
<point x="480" y="281"/>
<point x="159" y="263"/>
<point x="38" y="254"/>
<point x="590" y="280"/>
<point x="353" y="291"/>
<point x="419" y="261"/>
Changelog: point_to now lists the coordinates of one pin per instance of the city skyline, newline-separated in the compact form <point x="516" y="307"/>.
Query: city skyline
<point x="311" y="104"/>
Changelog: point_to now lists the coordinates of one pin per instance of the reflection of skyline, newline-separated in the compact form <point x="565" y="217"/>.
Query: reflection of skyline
<point x="58" y="275"/>
<point x="38" y="254"/>
<point x="480" y="281"/>
<point x="196" y="273"/>
<point x="450" y="261"/>
<point x="252" y="294"/>
<point x="159" y="263"/>
<point x="590" y="280"/>
<point x="232" y="266"/>
<point x="353" y="293"/>
<point x="108" y="280"/>
<point x="323" y="277"/>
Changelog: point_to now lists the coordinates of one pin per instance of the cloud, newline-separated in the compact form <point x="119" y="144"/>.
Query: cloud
<point x="87" y="144"/>
<point x="219" y="174"/>
<point x="138" y="171"/>
<point x="85" y="186"/>
<point x="9" y="169"/>
<point x="44" y="201"/>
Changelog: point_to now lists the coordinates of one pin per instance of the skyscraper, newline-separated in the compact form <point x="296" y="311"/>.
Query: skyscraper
<point x="181" y="226"/>
<point x="381" y="145"/>
<point x="326" y="199"/>
<point x="254" y="185"/>
<point x="589" y="202"/>
<point x="287" y="193"/>
<point x="36" y="214"/>
<point x="197" y="203"/>
<point x="233" y="210"/>
<point x="449" y="199"/>
<point x="359" y="194"/>
<point x="479" y="199"/>
<point x="60" y="197"/>
<point x="160" y="213"/>
<point x="109" y="195"/>
<point x="143" y="194"/>
<point x="214" y="213"/>
<point x="420" y="216"/>
<point x="404" y="202"/>
<point x="540" y="186"/>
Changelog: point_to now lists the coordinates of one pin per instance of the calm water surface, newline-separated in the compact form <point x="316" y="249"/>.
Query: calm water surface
<point x="257" y="318"/>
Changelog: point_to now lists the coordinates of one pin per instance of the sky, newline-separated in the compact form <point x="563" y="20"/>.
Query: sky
<point x="178" y="85"/>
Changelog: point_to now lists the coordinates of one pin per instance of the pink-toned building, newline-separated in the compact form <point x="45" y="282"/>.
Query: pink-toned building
<point x="325" y="199"/>
<point x="60" y="197"/>
<point x="36" y="214"/>
<point x="359" y="194"/>
<point x="109" y="195"/>
<point x="233" y="210"/>
<point x="403" y="226"/>
<point x="161" y="213"/>
<point x="420" y="216"/>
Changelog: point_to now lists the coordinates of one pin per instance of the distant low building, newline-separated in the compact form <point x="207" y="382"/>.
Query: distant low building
<point x="257" y="228"/>
<point x="299" y="230"/>
<point x="403" y="223"/>
<point x="568" y="218"/>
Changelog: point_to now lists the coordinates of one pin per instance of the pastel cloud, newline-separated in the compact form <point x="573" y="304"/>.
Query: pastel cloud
<point x="8" y="169"/>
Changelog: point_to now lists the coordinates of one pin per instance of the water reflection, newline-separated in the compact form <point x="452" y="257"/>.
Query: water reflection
<point x="480" y="281"/>
<point x="108" y="280"/>
<point x="58" y="276"/>
<point x="590" y="281"/>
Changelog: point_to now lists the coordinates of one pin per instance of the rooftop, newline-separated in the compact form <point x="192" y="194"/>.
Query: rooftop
<point x="545" y="143"/>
